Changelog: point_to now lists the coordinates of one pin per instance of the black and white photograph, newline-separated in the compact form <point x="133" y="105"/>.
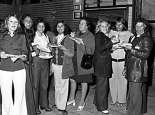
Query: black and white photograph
<point x="77" y="57"/>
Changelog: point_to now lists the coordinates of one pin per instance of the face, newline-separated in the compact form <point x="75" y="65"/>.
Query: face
<point x="140" y="26"/>
<point x="119" y="26"/>
<point x="41" y="27"/>
<point x="27" y="22"/>
<point x="83" y="26"/>
<point x="104" y="27"/>
<point x="12" y="23"/>
<point x="60" y="28"/>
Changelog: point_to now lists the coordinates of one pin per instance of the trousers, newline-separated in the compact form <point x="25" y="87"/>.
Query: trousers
<point x="61" y="87"/>
<point x="15" y="105"/>
<point x="118" y="83"/>
<point x="40" y="81"/>
<point x="101" y="93"/>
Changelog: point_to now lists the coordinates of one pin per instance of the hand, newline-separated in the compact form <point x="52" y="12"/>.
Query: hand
<point x="37" y="51"/>
<point x="23" y="57"/>
<point x="115" y="39"/>
<point x="35" y="47"/>
<point x="49" y="46"/>
<point x="79" y="41"/>
<point x="62" y="47"/>
<point x="124" y="71"/>
<point x="128" y="47"/>
<point x="3" y="55"/>
<point x="72" y="34"/>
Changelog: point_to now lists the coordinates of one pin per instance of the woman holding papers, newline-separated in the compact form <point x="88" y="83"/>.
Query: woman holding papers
<point x="62" y="65"/>
<point x="85" y="43"/>
<point x="13" y="52"/>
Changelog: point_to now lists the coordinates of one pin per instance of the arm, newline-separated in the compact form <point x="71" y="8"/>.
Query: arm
<point x="145" y="51"/>
<point x="68" y="47"/>
<point x="24" y="51"/>
<point x="103" y="43"/>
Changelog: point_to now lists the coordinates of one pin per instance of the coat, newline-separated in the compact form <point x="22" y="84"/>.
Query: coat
<point x="136" y="59"/>
<point x="88" y="47"/>
<point x="102" y="55"/>
<point x="67" y="69"/>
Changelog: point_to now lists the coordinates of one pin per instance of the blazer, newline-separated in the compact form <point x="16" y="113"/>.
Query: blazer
<point x="102" y="55"/>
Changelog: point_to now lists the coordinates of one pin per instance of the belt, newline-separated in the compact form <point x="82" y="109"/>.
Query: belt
<point x="118" y="60"/>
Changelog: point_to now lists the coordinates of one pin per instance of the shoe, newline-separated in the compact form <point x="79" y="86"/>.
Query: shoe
<point x="38" y="111"/>
<point x="81" y="107"/>
<point x="62" y="112"/>
<point x="48" y="109"/>
<point x="105" y="111"/>
<point x="71" y="102"/>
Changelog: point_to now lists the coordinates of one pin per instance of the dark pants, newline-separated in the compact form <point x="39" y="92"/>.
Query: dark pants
<point x="135" y="99"/>
<point x="29" y="91"/>
<point x="101" y="93"/>
<point x="40" y="81"/>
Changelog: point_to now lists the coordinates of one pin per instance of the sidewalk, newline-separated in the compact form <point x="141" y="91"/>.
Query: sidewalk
<point x="91" y="110"/>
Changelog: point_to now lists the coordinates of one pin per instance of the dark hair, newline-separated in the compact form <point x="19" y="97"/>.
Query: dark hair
<point x="40" y="20"/>
<point x="23" y="18"/>
<point x="124" y="22"/>
<point x="87" y="22"/>
<point x="67" y="29"/>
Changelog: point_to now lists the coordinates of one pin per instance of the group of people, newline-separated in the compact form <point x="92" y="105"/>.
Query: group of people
<point x="28" y="52"/>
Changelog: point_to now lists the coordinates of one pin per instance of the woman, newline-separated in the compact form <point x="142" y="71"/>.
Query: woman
<point x="82" y="76"/>
<point x="27" y="29"/>
<point x="102" y="66"/>
<point x="13" y="52"/>
<point x="118" y="82"/>
<point x="136" y="66"/>
<point x="41" y="56"/>
<point x="62" y="65"/>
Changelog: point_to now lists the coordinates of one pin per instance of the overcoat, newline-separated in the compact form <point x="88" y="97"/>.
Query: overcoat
<point x="102" y="55"/>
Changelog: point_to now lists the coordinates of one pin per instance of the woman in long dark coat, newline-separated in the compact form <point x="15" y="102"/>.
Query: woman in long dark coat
<point x="29" y="35"/>
<point x="137" y="67"/>
<point x="102" y="66"/>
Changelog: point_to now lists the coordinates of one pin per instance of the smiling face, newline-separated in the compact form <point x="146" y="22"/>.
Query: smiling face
<point x="119" y="26"/>
<point x="60" y="28"/>
<point x="12" y="23"/>
<point x="41" y="27"/>
<point x="27" y="22"/>
<point x="140" y="27"/>
<point x="104" y="27"/>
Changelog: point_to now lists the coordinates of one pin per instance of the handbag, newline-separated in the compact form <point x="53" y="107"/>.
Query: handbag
<point x="87" y="60"/>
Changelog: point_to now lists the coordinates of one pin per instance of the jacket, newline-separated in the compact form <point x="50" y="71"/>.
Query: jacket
<point x="136" y="59"/>
<point x="102" y="55"/>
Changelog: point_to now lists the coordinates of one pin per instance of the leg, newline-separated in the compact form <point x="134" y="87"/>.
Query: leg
<point x="101" y="93"/>
<point x="6" y="91"/>
<point x="61" y="88"/>
<point x="84" y="93"/>
<point x="122" y="84"/>
<point x="35" y="84"/>
<point x="122" y="90"/>
<point x="113" y="82"/>
<point x="135" y="99"/>
<point x="73" y="86"/>
<point x="19" y="80"/>
<point x="144" y="96"/>
<point x="44" y="84"/>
